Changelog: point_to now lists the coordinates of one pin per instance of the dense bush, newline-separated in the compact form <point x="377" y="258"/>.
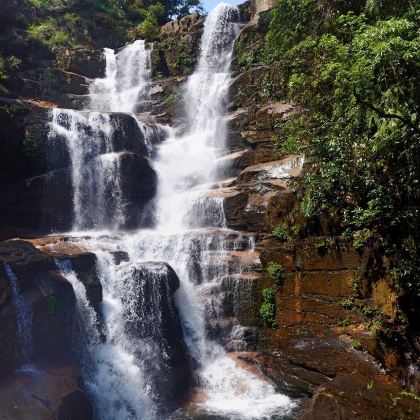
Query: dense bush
<point x="77" y="22"/>
<point x="354" y="68"/>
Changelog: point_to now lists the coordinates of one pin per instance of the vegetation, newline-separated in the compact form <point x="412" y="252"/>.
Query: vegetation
<point x="268" y="307"/>
<point x="78" y="22"/>
<point x="277" y="273"/>
<point x="354" y="68"/>
<point x="347" y="303"/>
<point x="280" y="232"/>
<point x="357" y="345"/>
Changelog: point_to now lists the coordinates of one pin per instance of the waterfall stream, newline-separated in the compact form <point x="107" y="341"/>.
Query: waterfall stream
<point x="158" y="337"/>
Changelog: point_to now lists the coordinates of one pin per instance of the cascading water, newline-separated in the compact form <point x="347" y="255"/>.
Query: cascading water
<point x="23" y="315"/>
<point x="87" y="136"/>
<point x="133" y="371"/>
<point x="127" y="78"/>
<point x="94" y="168"/>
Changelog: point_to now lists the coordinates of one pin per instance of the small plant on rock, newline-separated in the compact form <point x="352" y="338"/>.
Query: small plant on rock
<point x="280" y="232"/>
<point x="357" y="345"/>
<point x="347" y="303"/>
<point x="268" y="308"/>
<point x="277" y="273"/>
<point x="369" y="311"/>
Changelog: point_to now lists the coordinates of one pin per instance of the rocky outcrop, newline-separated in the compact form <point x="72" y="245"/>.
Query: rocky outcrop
<point x="49" y="298"/>
<point x="177" y="48"/>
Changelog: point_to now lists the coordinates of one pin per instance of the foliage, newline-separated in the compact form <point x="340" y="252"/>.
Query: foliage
<point x="49" y="34"/>
<point x="69" y="23"/>
<point x="280" y="232"/>
<point x="354" y="68"/>
<point x="357" y="345"/>
<point x="347" y="303"/>
<point x="268" y="307"/>
<point x="277" y="273"/>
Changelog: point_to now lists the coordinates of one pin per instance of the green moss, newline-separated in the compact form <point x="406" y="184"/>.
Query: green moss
<point x="51" y="303"/>
<point x="357" y="345"/>
<point x="171" y="98"/>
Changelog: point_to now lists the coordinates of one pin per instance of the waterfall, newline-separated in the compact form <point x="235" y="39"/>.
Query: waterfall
<point x="94" y="168"/>
<point x="162" y="287"/>
<point x="88" y="137"/>
<point x="127" y="78"/>
<point x="187" y="170"/>
<point x="23" y="315"/>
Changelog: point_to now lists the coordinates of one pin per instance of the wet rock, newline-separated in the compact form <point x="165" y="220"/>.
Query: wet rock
<point x="138" y="187"/>
<point x="45" y="202"/>
<point x="237" y="299"/>
<point x="126" y="134"/>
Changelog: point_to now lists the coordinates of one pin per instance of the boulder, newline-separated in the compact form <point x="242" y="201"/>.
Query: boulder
<point x="152" y="319"/>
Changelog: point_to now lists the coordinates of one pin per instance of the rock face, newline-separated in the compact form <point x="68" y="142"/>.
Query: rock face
<point x="31" y="287"/>
<point x="324" y="305"/>
<point x="44" y="202"/>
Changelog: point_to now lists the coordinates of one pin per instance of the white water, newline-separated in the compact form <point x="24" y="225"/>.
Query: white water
<point x="23" y="315"/>
<point x="113" y="375"/>
<point x="94" y="168"/>
<point x="126" y="82"/>
<point x="87" y="135"/>
<point x="190" y="234"/>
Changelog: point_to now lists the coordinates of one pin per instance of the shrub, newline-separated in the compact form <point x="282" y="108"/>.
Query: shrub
<point x="276" y="273"/>
<point x="49" y="34"/>
<point x="369" y="311"/>
<point x="345" y="323"/>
